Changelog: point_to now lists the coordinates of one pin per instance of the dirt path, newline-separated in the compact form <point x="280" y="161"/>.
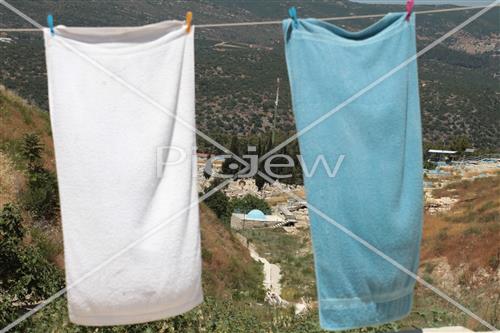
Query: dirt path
<point x="272" y="276"/>
<point x="272" y="272"/>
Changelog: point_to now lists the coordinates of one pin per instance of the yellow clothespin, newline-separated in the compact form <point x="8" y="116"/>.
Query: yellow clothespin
<point x="189" y="18"/>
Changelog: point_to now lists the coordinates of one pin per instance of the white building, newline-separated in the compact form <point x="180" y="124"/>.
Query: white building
<point x="254" y="219"/>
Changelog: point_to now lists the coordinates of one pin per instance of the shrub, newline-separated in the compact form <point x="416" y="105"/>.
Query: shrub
<point x="487" y="206"/>
<point x="443" y="234"/>
<point x="429" y="165"/>
<point x="219" y="203"/>
<point x="7" y="312"/>
<point x="31" y="151"/>
<point x="249" y="202"/>
<point x="11" y="234"/>
<point x="26" y="276"/>
<point x="41" y="198"/>
<point x="490" y="217"/>
<point x="35" y="275"/>
<point x="494" y="261"/>
<point x="11" y="229"/>
<point x="472" y="231"/>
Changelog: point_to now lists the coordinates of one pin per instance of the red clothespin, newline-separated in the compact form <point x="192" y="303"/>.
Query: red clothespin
<point x="189" y="18"/>
<point x="409" y="8"/>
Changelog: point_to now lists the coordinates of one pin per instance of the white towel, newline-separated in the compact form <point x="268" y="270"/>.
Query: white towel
<point x="107" y="139"/>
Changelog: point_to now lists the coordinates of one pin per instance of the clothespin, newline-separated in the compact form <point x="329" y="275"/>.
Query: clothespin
<point x="409" y="8"/>
<point x="50" y="23"/>
<point x="189" y="18"/>
<point x="292" y="12"/>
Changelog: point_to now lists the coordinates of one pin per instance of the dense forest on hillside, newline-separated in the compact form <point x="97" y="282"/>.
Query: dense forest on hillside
<point x="237" y="68"/>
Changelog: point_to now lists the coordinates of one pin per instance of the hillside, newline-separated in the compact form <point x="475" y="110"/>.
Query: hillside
<point x="229" y="273"/>
<point x="236" y="68"/>
<point x="17" y="118"/>
<point x="460" y="251"/>
<point x="460" y="255"/>
<point x="470" y="232"/>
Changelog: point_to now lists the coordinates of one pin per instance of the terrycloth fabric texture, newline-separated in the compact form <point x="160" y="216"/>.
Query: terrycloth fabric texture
<point x="377" y="191"/>
<point x="110" y="147"/>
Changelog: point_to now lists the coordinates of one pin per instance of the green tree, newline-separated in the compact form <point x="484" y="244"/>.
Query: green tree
<point x="219" y="202"/>
<point x="460" y="143"/>
<point x="249" y="202"/>
<point x="228" y="167"/>
<point x="31" y="151"/>
<point x="259" y="180"/>
<point x="41" y="198"/>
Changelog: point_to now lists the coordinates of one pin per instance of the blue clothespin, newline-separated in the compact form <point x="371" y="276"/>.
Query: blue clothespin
<point x="50" y="23"/>
<point x="292" y="11"/>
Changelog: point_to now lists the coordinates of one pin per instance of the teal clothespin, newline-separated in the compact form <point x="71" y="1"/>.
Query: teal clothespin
<point x="50" y="23"/>
<point x="292" y="11"/>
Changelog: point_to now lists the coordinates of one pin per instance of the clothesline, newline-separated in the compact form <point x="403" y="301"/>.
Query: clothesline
<point x="240" y="24"/>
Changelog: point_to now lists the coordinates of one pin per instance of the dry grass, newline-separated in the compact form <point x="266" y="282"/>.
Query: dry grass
<point x="227" y="265"/>
<point x="465" y="243"/>
<point x="470" y="231"/>
<point x="18" y="118"/>
<point x="11" y="180"/>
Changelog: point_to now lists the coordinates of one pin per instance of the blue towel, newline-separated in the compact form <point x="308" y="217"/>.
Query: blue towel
<point x="377" y="191"/>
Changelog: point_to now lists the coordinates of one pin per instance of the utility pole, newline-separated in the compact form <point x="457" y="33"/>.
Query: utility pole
<point x="275" y="110"/>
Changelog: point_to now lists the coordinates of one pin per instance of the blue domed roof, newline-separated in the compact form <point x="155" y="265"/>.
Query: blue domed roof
<point x="255" y="214"/>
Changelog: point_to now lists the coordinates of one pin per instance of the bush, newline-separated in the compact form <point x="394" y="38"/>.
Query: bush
<point x="443" y="234"/>
<point x="11" y="234"/>
<point x="472" y="231"/>
<point x="26" y="276"/>
<point x="11" y="229"/>
<point x="41" y="198"/>
<point x="219" y="203"/>
<point x="490" y="217"/>
<point x="7" y="313"/>
<point x="31" y="151"/>
<point x="494" y="261"/>
<point x="429" y="165"/>
<point x="249" y="202"/>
